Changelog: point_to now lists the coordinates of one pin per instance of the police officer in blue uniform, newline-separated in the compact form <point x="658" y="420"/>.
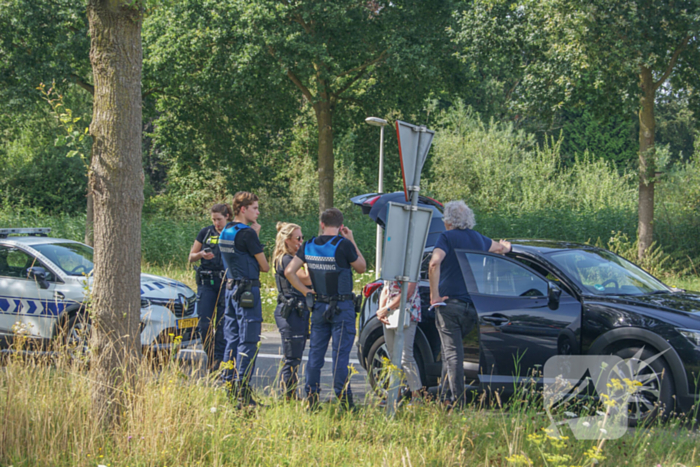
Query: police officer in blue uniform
<point x="330" y="258"/>
<point x="243" y="257"/>
<point x="291" y="313"/>
<point x="210" y="279"/>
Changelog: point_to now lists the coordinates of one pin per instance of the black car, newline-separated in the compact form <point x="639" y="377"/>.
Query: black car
<point x="549" y="298"/>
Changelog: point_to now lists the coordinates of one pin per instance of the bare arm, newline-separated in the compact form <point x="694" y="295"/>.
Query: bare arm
<point x="290" y="273"/>
<point x="262" y="262"/>
<point x="304" y="276"/>
<point x="501" y="247"/>
<point x="196" y="253"/>
<point x="359" y="265"/>
<point x="434" y="276"/>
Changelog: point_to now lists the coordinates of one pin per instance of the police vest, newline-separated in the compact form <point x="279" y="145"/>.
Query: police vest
<point x="212" y="241"/>
<point x="326" y="276"/>
<point x="283" y="285"/>
<point x="239" y="265"/>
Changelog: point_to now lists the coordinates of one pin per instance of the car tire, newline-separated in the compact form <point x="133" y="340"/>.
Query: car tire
<point x="376" y="367"/>
<point x="655" y="399"/>
<point x="75" y="334"/>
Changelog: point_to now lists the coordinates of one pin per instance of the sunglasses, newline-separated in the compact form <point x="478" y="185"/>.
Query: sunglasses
<point x="300" y="239"/>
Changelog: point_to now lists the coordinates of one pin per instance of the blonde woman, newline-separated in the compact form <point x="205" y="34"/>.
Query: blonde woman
<point x="291" y="314"/>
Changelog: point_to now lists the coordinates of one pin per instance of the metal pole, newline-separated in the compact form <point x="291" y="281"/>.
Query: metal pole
<point x="380" y="231"/>
<point x="397" y="353"/>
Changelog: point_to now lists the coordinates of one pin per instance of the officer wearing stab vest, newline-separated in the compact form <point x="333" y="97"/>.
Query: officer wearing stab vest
<point x="330" y="259"/>
<point x="243" y="257"/>
<point x="291" y="313"/>
<point x="210" y="279"/>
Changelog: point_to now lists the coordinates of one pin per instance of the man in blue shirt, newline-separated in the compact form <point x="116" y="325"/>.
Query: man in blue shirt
<point x="456" y="319"/>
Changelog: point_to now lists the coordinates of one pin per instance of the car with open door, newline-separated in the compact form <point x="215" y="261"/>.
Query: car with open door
<point x="548" y="298"/>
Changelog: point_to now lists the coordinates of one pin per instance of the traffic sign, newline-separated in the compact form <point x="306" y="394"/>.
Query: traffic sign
<point x="395" y="240"/>
<point x="414" y="144"/>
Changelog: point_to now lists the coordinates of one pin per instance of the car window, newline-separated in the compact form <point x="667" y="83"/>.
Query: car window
<point x="545" y="272"/>
<point x="497" y="276"/>
<point x="75" y="259"/>
<point x="15" y="262"/>
<point x="603" y="273"/>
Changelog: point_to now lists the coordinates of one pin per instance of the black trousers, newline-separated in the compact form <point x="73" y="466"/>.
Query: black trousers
<point x="454" y="322"/>
<point x="294" y="331"/>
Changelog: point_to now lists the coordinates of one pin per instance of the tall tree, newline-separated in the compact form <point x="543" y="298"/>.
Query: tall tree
<point x="116" y="180"/>
<point x="612" y="51"/>
<point x="331" y="51"/>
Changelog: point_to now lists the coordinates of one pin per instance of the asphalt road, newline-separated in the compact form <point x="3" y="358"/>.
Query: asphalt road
<point x="269" y="362"/>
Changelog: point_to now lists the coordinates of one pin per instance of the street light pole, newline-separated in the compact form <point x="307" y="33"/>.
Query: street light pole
<point x="375" y="121"/>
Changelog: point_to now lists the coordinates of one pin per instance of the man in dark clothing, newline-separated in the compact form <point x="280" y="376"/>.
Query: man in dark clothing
<point x="457" y="317"/>
<point x="243" y="257"/>
<point x="330" y="258"/>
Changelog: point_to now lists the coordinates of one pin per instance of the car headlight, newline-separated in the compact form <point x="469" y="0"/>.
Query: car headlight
<point x="145" y="303"/>
<point x="692" y="335"/>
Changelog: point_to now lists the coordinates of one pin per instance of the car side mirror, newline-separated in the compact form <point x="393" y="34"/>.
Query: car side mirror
<point x="553" y="295"/>
<point x="38" y="273"/>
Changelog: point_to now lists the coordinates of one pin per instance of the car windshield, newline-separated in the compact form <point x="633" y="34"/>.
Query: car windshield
<point x="75" y="259"/>
<point x="603" y="273"/>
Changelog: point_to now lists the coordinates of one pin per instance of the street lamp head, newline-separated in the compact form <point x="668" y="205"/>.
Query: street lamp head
<point x="376" y="121"/>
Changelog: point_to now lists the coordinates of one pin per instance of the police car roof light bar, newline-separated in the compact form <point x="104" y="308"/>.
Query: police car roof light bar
<point x="40" y="232"/>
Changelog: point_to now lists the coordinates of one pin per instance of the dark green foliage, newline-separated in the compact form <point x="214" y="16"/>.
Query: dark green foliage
<point x="611" y="138"/>
<point x="35" y="172"/>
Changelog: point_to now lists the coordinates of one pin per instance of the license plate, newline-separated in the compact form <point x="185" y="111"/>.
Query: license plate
<point x="187" y="323"/>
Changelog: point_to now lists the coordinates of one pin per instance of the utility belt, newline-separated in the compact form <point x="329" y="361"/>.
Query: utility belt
<point x="333" y="309"/>
<point x="244" y="295"/>
<point x="291" y="304"/>
<point x="203" y="276"/>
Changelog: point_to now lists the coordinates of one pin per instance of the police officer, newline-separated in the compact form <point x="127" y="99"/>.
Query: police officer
<point x="330" y="259"/>
<point x="210" y="293"/>
<point x="291" y="313"/>
<point x="243" y="257"/>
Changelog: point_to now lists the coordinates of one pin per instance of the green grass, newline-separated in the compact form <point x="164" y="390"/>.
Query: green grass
<point x="172" y="420"/>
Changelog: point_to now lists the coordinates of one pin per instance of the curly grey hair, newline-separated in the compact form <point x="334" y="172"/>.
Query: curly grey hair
<point x="459" y="215"/>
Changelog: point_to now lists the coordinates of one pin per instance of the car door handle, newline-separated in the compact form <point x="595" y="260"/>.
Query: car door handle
<point x="496" y="319"/>
<point x="59" y="296"/>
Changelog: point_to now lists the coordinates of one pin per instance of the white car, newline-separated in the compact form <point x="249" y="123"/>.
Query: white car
<point x="44" y="282"/>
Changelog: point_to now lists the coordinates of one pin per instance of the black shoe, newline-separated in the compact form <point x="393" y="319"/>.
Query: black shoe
<point x="313" y="403"/>
<point x="245" y="398"/>
<point x="346" y="403"/>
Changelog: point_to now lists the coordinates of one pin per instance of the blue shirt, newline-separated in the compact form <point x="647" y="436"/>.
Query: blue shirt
<point x="452" y="283"/>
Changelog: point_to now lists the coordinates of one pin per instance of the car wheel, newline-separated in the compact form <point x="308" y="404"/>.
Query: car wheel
<point x="75" y="335"/>
<point x="655" y="395"/>
<point x="377" y="359"/>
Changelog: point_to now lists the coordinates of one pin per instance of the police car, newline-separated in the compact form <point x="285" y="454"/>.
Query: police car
<point x="44" y="282"/>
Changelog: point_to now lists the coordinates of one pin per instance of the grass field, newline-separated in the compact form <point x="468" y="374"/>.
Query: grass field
<point x="172" y="420"/>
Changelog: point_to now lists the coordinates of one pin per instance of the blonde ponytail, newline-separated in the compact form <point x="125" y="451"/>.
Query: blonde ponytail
<point x="284" y="232"/>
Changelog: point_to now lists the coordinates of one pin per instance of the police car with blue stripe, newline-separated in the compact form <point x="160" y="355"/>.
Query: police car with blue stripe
<point x="44" y="283"/>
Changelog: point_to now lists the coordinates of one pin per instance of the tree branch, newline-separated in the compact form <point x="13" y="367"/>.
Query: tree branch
<point x="363" y="70"/>
<point x="673" y="61"/>
<point x="87" y="86"/>
<point x="304" y="90"/>
<point x="150" y="91"/>
<point x="297" y="82"/>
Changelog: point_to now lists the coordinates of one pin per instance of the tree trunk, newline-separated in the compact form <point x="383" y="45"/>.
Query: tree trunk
<point x="89" y="221"/>
<point x="116" y="183"/>
<point x="647" y="161"/>
<point x="326" y="161"/>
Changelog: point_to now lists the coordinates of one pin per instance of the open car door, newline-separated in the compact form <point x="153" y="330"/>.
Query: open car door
<point x="524" y="319"/>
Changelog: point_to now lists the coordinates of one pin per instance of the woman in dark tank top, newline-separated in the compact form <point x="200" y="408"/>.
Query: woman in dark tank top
<point x="291" y="314"/>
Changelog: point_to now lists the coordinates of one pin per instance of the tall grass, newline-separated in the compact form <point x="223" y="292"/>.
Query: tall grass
<point x="173" y="419"/>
